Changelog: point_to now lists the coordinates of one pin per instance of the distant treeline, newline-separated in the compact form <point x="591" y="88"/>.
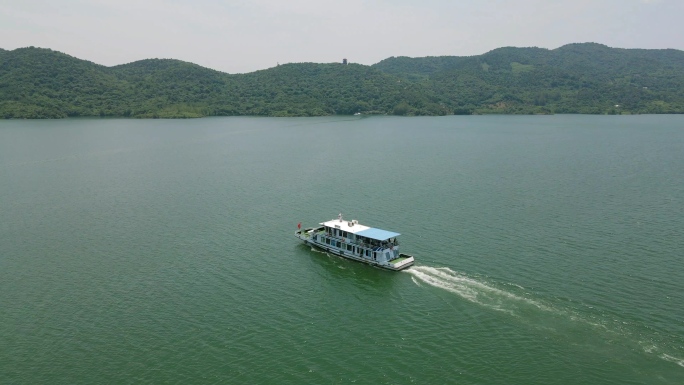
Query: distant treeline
<point x="577" y="78"/>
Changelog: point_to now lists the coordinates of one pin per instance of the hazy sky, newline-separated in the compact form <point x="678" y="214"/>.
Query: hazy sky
<point x="244" y="36"/>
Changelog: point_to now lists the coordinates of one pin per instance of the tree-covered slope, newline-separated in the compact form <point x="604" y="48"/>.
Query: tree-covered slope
<point x="576" y="78"/>
<point x="40" y="83"/>
<point x="171" y="88"/>
<point x="324" y="89"/>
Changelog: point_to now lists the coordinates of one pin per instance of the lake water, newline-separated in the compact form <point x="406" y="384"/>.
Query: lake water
<point x="550" y="250"/>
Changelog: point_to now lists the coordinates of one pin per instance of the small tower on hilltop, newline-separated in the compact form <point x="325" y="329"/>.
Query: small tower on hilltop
<point x="344" y="61"/>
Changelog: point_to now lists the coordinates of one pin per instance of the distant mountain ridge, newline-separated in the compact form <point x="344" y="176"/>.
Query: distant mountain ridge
<point x="576" y="78"/>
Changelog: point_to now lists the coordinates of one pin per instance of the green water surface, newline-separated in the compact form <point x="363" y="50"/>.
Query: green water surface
<point x="549" y="250"/>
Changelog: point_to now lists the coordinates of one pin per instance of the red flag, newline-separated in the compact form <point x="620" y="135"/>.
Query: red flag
<point x="299" y="225"/>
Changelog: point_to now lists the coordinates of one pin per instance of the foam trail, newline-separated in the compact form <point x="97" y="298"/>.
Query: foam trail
<point x="472" y="289"/>
<point x="484" y="294"/>
<point x="676" y="360"/>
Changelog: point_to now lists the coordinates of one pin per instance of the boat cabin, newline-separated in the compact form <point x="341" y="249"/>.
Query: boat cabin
<point x="355" y="240"/>
<point x="352" y="240"/>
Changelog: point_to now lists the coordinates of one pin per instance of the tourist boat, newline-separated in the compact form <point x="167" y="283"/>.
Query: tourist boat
<point x="349" y="239"/>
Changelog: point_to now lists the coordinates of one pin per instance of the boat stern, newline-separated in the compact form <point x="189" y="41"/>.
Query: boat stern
<point x="404" y="261"/>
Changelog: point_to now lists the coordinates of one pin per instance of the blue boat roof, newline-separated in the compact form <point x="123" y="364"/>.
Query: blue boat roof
<point x="377" y="234"/>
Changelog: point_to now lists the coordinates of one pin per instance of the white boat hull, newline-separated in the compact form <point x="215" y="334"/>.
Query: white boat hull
<point x="400" y="262"/>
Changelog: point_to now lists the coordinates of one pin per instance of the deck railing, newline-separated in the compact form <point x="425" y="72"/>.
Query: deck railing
<point x="356" y="242"/>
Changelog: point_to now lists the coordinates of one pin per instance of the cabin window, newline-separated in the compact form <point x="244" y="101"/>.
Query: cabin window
<point x="338" y="243"/>
<point x="327" y="240"/>
<point x="315" y="237"/>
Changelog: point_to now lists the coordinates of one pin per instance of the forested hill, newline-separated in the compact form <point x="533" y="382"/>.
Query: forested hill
<point x="590" y="58"/>
<point x="576" y="78"/>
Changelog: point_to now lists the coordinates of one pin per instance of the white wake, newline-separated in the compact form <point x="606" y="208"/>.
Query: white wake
<point x="485" y="294"/>
<point x="471" y="289"/>
<point x="675" y="360"/>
